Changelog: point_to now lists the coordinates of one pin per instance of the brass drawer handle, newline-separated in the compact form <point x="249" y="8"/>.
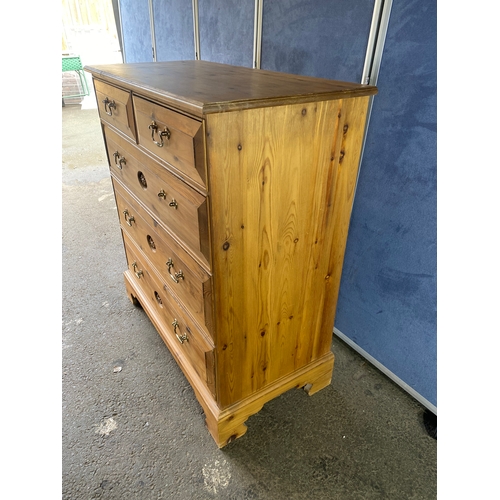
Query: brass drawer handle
<point x="176" y="276"/>
<point x="162" y="194"/>
<point x="109" y="105"/>
<point x="137" y="273"/>
<point x="164" y="133"/>
<point x="173" y="204"/>
<point x="128" y="218"/>
<point x="180" y="338"/>
<point x="119" y="160"/>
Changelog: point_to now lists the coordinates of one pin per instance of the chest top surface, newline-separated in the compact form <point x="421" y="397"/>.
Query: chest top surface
<point x="202" y="87"/>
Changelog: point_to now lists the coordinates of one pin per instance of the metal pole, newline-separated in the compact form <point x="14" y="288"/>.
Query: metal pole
<point x="373" y="59"/>
<point x="196" y="29"/>
<point x="257" y="34"/>
<point x="382" y="34"/>
<point x="118" y="23"/>
<point x="372" y="40"/>
<point x="152" y="24"/>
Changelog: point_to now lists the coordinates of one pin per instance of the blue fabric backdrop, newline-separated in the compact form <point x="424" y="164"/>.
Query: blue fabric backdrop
<point x="324" y="38"/>
<point x="226" y="31"/>
<point x="173" y="30"/>
<point x="387" y="302"/>
<point x="136" y="30"/>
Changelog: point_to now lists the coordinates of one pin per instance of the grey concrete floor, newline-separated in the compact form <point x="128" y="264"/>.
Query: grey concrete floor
<point x="140" y="433"/>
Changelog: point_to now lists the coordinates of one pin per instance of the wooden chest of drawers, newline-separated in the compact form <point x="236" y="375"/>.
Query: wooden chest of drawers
<point x="234" y="189"/>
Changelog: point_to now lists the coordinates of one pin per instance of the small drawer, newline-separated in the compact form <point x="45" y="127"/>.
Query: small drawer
<point x="175" y="324"/>
<point x="115" y="107"/>
<point x="184" y="277"/>
<point x="172" y="137"/>
<point x="182" y="209"/>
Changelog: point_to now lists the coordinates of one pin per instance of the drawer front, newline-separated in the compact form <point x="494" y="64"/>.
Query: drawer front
<point x="175" y="324"/>
<point x="186" y="280"/>
<point x="115" y="107"/>
<point x="175" y="138"/>
<point x="182" y="209"/>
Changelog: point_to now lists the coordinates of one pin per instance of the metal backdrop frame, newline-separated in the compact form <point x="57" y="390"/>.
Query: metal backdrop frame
<point x="373" y="59"/>
<point x="257" y="34"/>
<point x="196" y="29"/>
<point x="121" y="30"/>
<point x="152" y="27"/>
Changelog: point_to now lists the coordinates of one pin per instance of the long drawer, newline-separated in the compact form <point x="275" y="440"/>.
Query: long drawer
<point x="182" y="209"/>
<point x="192" y="345"/>
<point x="184" y="277"/>
<point x="172" y="137"/>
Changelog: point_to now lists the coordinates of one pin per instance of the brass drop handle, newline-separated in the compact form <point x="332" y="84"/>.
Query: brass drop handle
<point x="109" y="105"/>
<point x="162" y="194"/>
<point x="173" y="204"/>
<point x="119" y="160"/>
<point x="137" y="273"/>
<point x="176" y="276"/>
<point x="128" y="218"/>
<point x="180" y="338"/>
<point x="164" y="133"/>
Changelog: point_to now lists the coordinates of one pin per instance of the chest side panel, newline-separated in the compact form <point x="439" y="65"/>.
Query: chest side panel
<point x="273" y="174"/>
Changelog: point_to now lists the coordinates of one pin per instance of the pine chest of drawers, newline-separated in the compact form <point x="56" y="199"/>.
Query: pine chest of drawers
<point x="234" y="189"/>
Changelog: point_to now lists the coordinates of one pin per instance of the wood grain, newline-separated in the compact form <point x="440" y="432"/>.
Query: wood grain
<point x="122" y="115"/>
<point x="194" y="290"/>
<point x="202" y="87"/>
<point x="185" y="142"/>
<point x="347" y="155"/>
<point x="272" y="176"/>
<point x="146" y="179"/>
<point x="229" y="424"/>
<point x="196" y="349"/>
<point x="163" y="231"/>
